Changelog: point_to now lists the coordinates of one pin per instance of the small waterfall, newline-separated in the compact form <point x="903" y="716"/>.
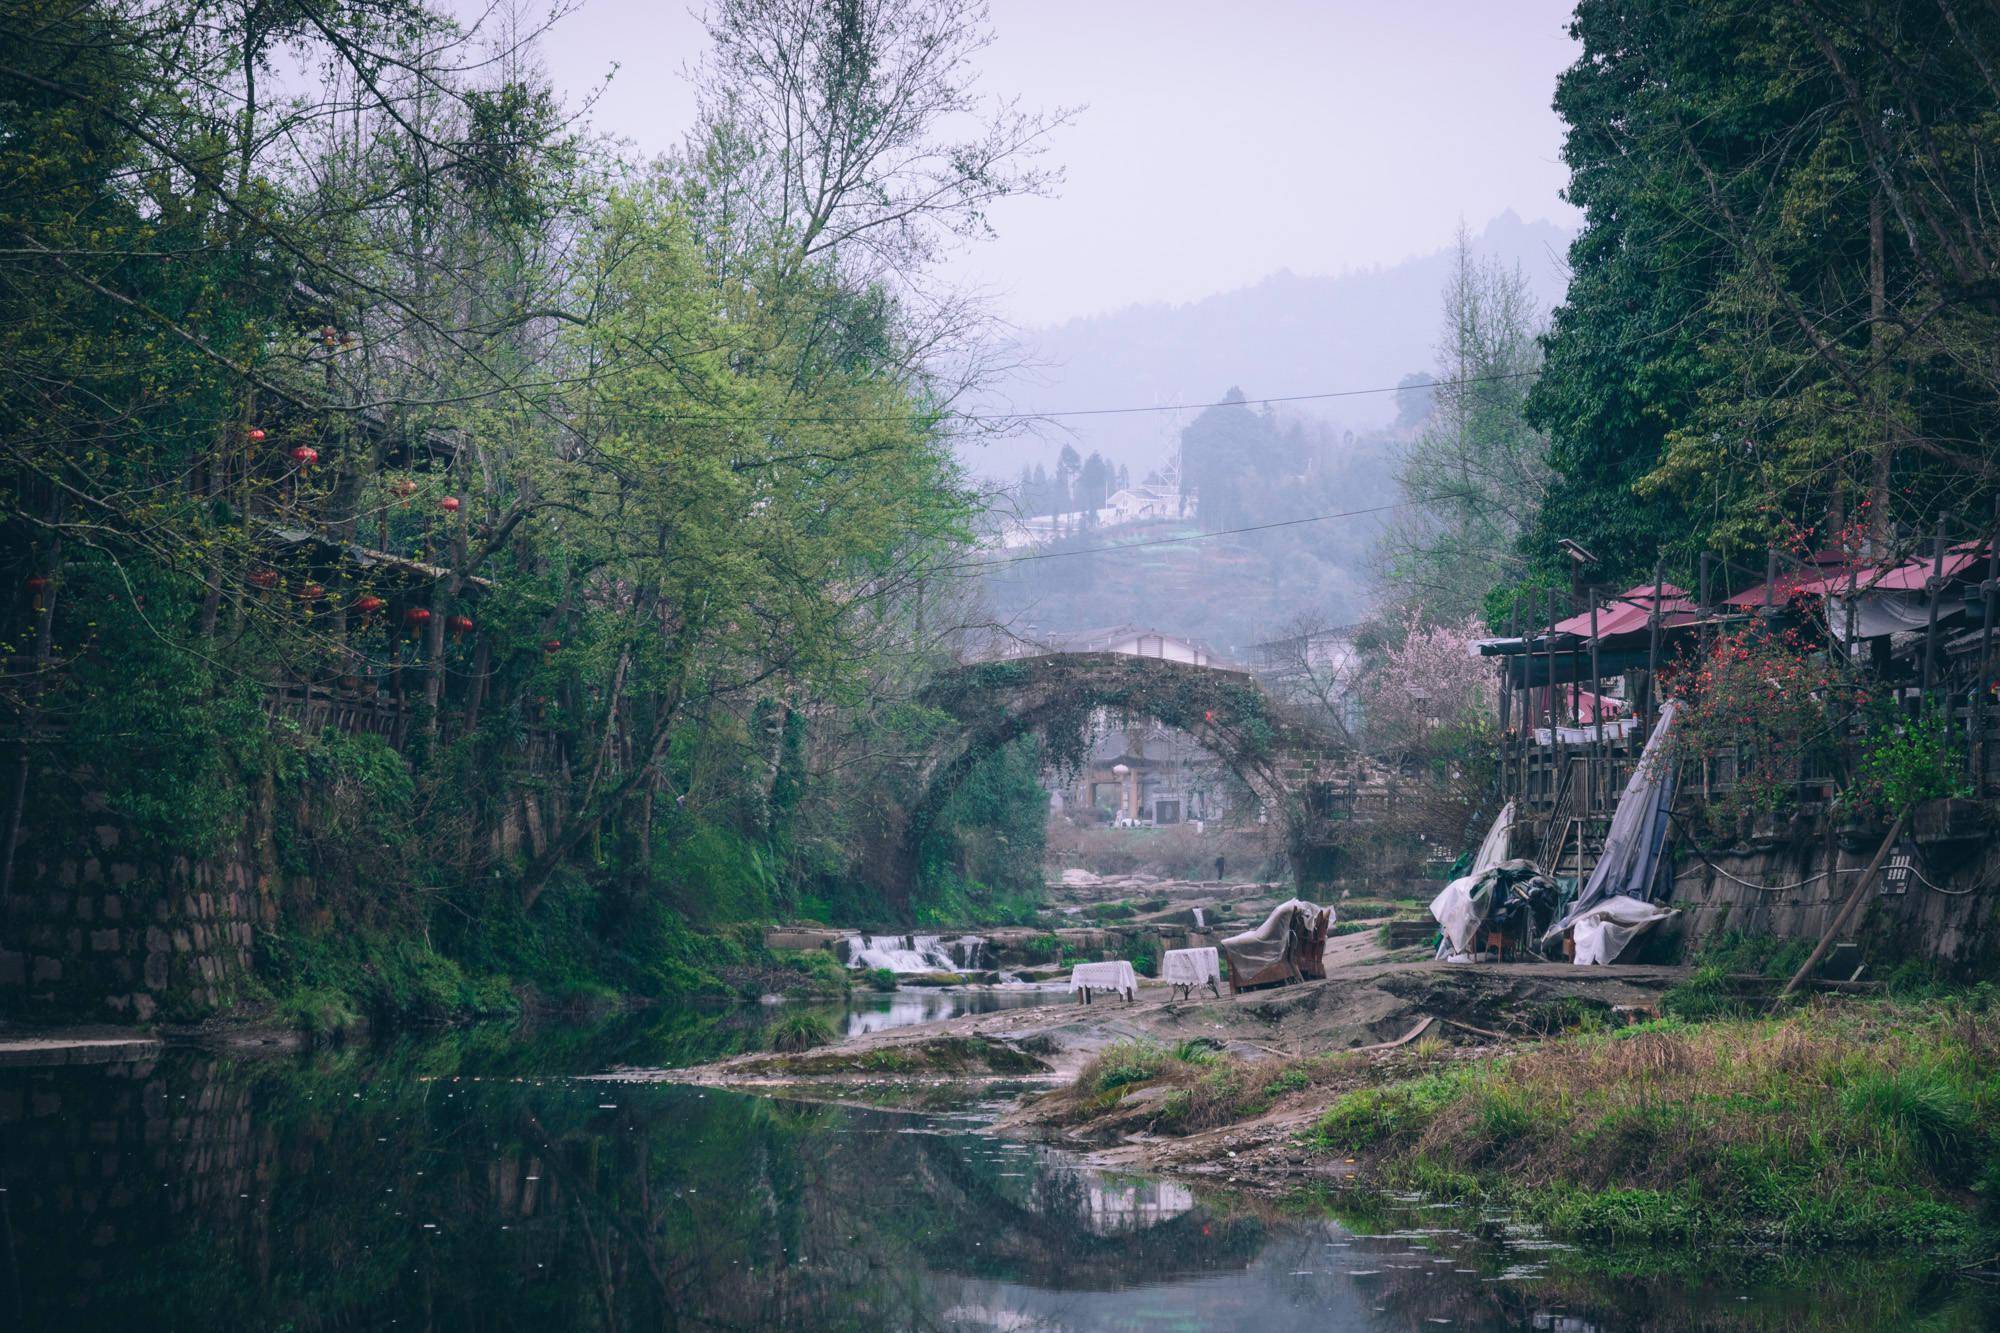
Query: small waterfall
<point x="918" y="953"/>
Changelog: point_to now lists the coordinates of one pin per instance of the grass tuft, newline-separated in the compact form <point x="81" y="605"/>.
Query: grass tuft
<point x="799" y="1032"/>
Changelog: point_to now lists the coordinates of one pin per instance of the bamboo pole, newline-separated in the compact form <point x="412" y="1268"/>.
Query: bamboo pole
<point x="1653" y="649"/>
<point x="1987" y="590"/>
<point x="1848" y="908"/>
<point x="1933" y="587"/>
<point x="1597" y="761"/>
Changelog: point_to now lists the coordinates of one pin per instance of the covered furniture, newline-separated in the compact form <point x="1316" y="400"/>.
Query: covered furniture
<point x="1087" y="977"/>
<point x="1185" y="969"/>
<point x="1603" y="930"/>
<point x="1289" y="946"/>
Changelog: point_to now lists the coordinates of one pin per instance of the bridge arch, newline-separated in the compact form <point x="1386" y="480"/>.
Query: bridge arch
<point x="1289" y="766"/>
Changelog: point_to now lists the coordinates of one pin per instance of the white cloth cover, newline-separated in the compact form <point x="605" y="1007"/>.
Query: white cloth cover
<point x="1605" y="928"/>
<point x="1117" y="976"/>
<point x="1638" y="830"/>
<point x="1583" y="735"/>
<point x="1493" y="847"/>
<point x="1456" y="908"/>
<point x="1191" y="967"/>
<point x="1460" y="907"/>
<point x="1880" y="612"/>
<point x="1255" y="950"/>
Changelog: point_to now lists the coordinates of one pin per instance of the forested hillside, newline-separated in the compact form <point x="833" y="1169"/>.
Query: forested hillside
<point x="1292" y="333"/>
<point x="1245" y="466"/>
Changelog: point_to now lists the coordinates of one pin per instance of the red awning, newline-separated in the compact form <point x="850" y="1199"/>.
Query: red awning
<point x="1632" y="610"/>
<point x="1828" y="575"/>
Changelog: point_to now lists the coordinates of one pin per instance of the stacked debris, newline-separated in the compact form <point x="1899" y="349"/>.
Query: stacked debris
<point x="1502" y="909"/>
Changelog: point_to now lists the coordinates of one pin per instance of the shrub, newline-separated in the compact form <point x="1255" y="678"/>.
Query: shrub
<point x="799" y="1032"/>
<point x="1918" y="1106"/>
<point x="1126" y="1062"/>
<point x="1396" y="1113"/>
<point x="820" y="972"/>
<point x="319" y="1011"/>
<point x="1704" y="995"/>
<point x="1196" y="1050"/>
<point x="880" y="978"/>
<point x="1905" y="760"/>
<point x="1291" y="1080"/>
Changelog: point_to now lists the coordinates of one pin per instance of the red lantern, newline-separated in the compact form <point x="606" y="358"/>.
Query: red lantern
<point x="417" y="615"/>
<point x="37" y="585"/>
<point x="449" y="504"/>
<point x="311" y="592"/>
<point x="306" y="455"/>
<point x="256" y="435"/>
<point x="403" y="487"/>
<point x="368" y="606"/>
<point x="552" y="645"/>
<point x="264" y="578"/>
<point x="459" y="624"/>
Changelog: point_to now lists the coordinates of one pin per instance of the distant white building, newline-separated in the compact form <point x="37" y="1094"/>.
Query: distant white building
<point x="1144" y="504"/>
<point x="1324" y="650"/>
<point x="1124" y="507"/>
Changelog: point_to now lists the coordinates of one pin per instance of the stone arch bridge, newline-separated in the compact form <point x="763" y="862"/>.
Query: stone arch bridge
<point x="1304" y="777"/>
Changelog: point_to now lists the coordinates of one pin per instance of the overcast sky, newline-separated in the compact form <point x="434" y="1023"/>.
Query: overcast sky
<point x="1219" y="142"/>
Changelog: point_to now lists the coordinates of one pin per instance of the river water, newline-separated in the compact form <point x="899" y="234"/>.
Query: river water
<point x="480" y="1180"/>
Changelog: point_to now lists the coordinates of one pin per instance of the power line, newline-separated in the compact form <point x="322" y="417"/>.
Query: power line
<point x="1203" y="536"/>
<point x="999" y="418"/>
<point x="1247" y="402"/>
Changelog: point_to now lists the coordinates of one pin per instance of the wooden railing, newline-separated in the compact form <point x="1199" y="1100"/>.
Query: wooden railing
<point x="1584" y="781"/>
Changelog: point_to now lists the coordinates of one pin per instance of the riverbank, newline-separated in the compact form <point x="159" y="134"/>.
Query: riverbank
<point x="1848" y="1122"/>
<point x="1555" y="1092"/>
<point x="481" y="1176"/>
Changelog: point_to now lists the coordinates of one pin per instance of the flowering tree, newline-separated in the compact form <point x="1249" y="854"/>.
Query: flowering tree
<point x="1428" y="692"/>
<point x="1428" y="710"/>
<point x="1766" y="699"/>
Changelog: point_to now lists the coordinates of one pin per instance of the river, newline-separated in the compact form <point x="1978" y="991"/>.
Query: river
<point x="480" y="1180"/>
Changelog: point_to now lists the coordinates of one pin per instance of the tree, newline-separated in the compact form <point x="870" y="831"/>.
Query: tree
<point x="1415" y="399"/>
<point x="1784" y="277"/>
<point x="1069" y="466"/>
<point x="1476" y="475"/>
<point x="1093" y="483"/>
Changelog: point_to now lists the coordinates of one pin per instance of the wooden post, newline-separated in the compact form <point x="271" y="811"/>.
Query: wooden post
<point x="1932" y="588"/>
<point x="1847" y="909"/>
<point x="1653" y="649"/>
<point x="1598" y="760"/>
<point x="1555" y="739"/>
<point x="1989" y="594"/>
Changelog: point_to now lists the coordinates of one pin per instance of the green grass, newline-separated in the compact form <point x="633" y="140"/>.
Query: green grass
<point x="819" y="972"/>
<point x="799" y="1032"/>
<point x="1853" y="1124"/>
<point x="1204" y="1087"/>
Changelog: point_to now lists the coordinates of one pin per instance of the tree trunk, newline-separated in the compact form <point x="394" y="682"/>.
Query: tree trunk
<point x="1878" y="487"/>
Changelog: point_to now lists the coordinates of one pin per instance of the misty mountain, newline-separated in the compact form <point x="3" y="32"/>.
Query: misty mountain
<point x="1289" y="334"/>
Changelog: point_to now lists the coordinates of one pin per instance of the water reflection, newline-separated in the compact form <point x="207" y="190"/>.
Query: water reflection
<point x="877" y="1013"/>
<point x="468" y="1183"/>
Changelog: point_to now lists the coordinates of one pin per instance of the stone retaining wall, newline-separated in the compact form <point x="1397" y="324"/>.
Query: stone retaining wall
<point x="101" y="931"/>
<point x="1776" y="882"/>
